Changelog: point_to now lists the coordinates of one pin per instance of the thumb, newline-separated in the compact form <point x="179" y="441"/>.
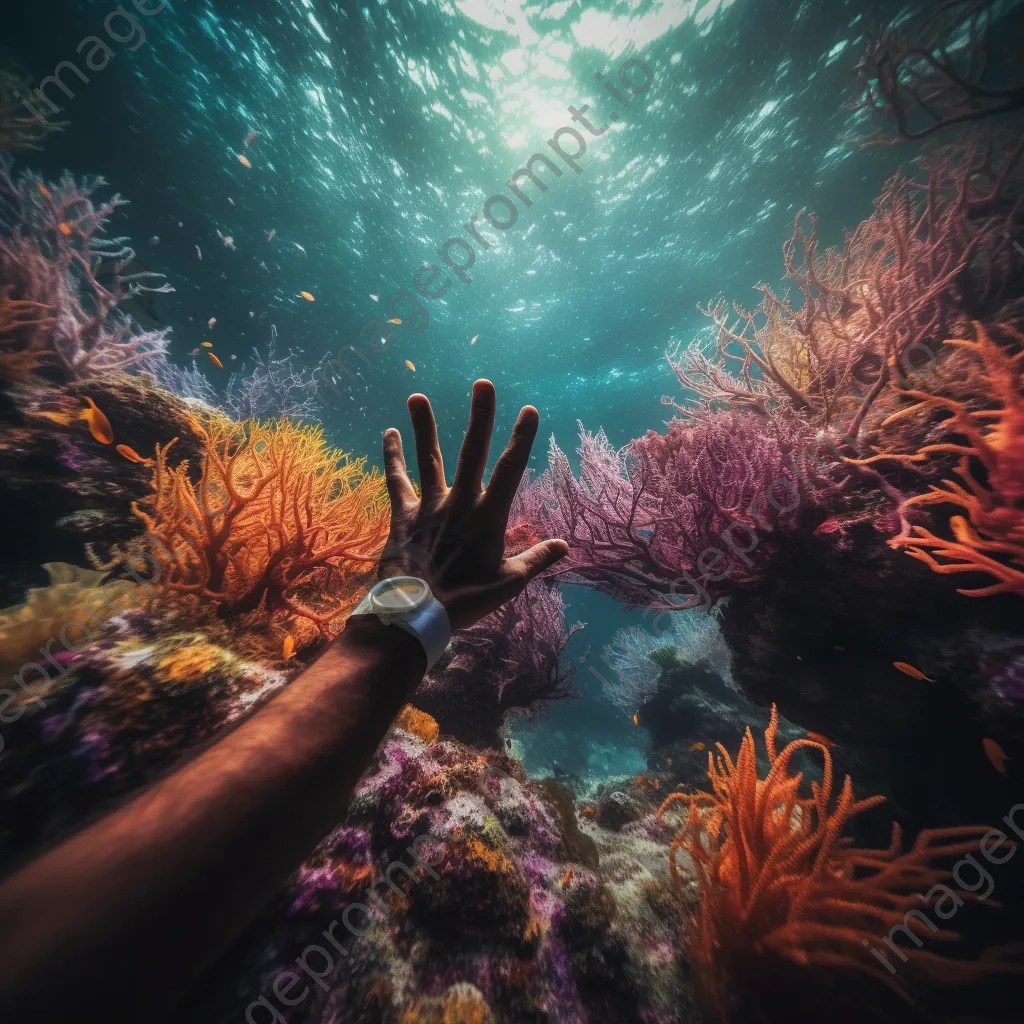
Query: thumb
<point x="530" y="563"/>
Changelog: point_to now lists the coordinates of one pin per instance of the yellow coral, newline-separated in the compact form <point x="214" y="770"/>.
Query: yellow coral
<point x="191" y="663"/>
<point x="417" y="723"/>
<point x="463" y="1003"/>
<point x="276" y="519"/>
<point x="62" y="616"/>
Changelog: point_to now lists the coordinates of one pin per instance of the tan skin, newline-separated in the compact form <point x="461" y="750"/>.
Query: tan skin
<point x="119" y="922"/>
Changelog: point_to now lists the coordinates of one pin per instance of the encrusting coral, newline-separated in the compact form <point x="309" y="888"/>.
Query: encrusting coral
<point x="779" y="883"/>
<point x="990" y="488"/>
<point x="277" y="521"/>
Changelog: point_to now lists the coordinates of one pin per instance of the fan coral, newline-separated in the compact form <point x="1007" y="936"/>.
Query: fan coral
<point x="990" y="539"/>
<point x="931" y="257"/>
<point x="54" y="310"/>
<point x="290" y="518"/>
<point x="273" y="388"/>
<point x="633" y="656"/>
<point x="779" y="883"/>
<point x="644" y="522"/>
<point x="511" y="662"/>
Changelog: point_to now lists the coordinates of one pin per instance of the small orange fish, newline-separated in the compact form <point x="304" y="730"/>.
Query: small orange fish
<point x="45" y="191"/>
<point x="251" y="138"/>
<point x="288" y="650"/>
<point x="568" y="877"/>
<point x="244" y="161"/>
<point x="216" y="362"/>
<point x="206" y="344"/>
<point x="64" y="228"/>
<point x="995" y="754"/>
<point x="817" y="737"/>
<point x="588" y="811"/>
<point x="307" y="296"/>
<point x="636" y="718"/>
<point x="99" y="425"/>
<point x="410" y="365"/>
<point x="696" y="746"/>
<point x="909" y="670"/>
<point x="394" y="321"/>
<point x="132" y="455"/>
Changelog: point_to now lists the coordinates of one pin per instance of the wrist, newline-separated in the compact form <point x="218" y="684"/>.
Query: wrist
<point x="367" y="635"/>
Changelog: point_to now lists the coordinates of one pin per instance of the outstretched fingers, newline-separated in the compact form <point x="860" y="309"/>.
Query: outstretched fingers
<point x="428" y="451"/>
<point x="520" y="569"/>
<point x="469" y="474"/>
<point x="511" y="466"/>
<point x="396" y="476"/>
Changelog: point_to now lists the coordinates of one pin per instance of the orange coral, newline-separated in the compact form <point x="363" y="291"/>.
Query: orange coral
<point x="779" y="883"/>
<point x="277" y="516"/>
<point x="990" y="539"/>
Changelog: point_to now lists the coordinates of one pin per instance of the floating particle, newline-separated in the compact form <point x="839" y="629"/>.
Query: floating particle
<point x="212" y="322"/>
<point x="273" y="232"/>
<point x="472" y="340"/>
<point x="252" y="138"/>
<point x="233" y="356"/>
<point x="155" y="240"/>
<point x="376" y="298"/>
<point x="229" y="241"/>
<point x="206" y="344"/>
<point x="199" y="252"/>
<point x="394" y="320"/>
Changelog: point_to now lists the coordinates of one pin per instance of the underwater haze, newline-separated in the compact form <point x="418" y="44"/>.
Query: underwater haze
<point x="758" y="264"/>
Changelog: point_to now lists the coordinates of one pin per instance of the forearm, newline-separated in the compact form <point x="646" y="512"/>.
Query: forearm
<point x="124" y="917"/>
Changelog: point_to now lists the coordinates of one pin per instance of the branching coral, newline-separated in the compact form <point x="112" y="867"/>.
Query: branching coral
<point x="274" y="387"/>
<point x="780" y="883"/>
<point x="54" y="310"/>
<point x="932" y="256"/>
<point x="990" y="484"/>
<point x="276" y="518"/>
<point x="637" y="667"/>
<point x="645" y="522"/>
<point x="938" y="74"/>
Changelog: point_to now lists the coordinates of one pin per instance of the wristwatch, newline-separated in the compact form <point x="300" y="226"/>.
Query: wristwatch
<point x="406" y="602"/>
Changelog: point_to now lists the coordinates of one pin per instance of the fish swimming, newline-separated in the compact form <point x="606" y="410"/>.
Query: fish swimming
<point x="910" y="670"/>
<point x="288" y="648"/>
<point x="244" y="160"/>
<point x="817" y="737"/>
<point x="99" y="425"/>
<point x="695" y="746"/>
<point x="307" y="296"/>
<point x="132" y="455"/>
<point x="996" y="755"/>
<point x="206" y="344"/>
<point x="216" y="362"/>
<point x="636" y="718"/>
<point x="411" y="365"/>
<point x="394" y="321"/>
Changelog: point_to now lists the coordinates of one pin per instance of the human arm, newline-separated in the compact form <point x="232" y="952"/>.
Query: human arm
<point x="120" y="921"/>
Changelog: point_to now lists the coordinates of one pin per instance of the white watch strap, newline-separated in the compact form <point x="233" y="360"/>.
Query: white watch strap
<point x="429" y="625"/>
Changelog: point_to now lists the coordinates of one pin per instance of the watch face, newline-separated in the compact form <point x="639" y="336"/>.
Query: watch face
<point x="399" y="595"/>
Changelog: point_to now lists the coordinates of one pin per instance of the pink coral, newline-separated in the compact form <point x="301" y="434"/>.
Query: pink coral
<point x="63" y="280"/>
<point x="644" y="523"/>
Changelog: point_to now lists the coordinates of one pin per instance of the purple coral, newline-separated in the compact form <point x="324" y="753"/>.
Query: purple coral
<point x="63" y="281"/>
<point x="702" y="503"/>
<point x="511" y="662"/>
<point x="274" y="388"/>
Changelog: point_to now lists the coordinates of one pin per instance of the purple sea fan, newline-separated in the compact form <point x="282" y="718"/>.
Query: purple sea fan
<point x="678" y="519"/>
<point x="63" y="280"/>
<point x="512" y="662"/>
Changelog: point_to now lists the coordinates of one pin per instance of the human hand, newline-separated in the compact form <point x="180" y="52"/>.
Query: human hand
<point x="454" y="537"/>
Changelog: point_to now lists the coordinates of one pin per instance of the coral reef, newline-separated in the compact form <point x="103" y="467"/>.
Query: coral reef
<point x="990" y="540"/>
<point x="56" y="317"/>
<point x="19" y="132"/>
<point x="932" y="257"/>
<point x="511" y="663"/>
<point x="278" y="522"/>
<point x="780" y="887"/>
